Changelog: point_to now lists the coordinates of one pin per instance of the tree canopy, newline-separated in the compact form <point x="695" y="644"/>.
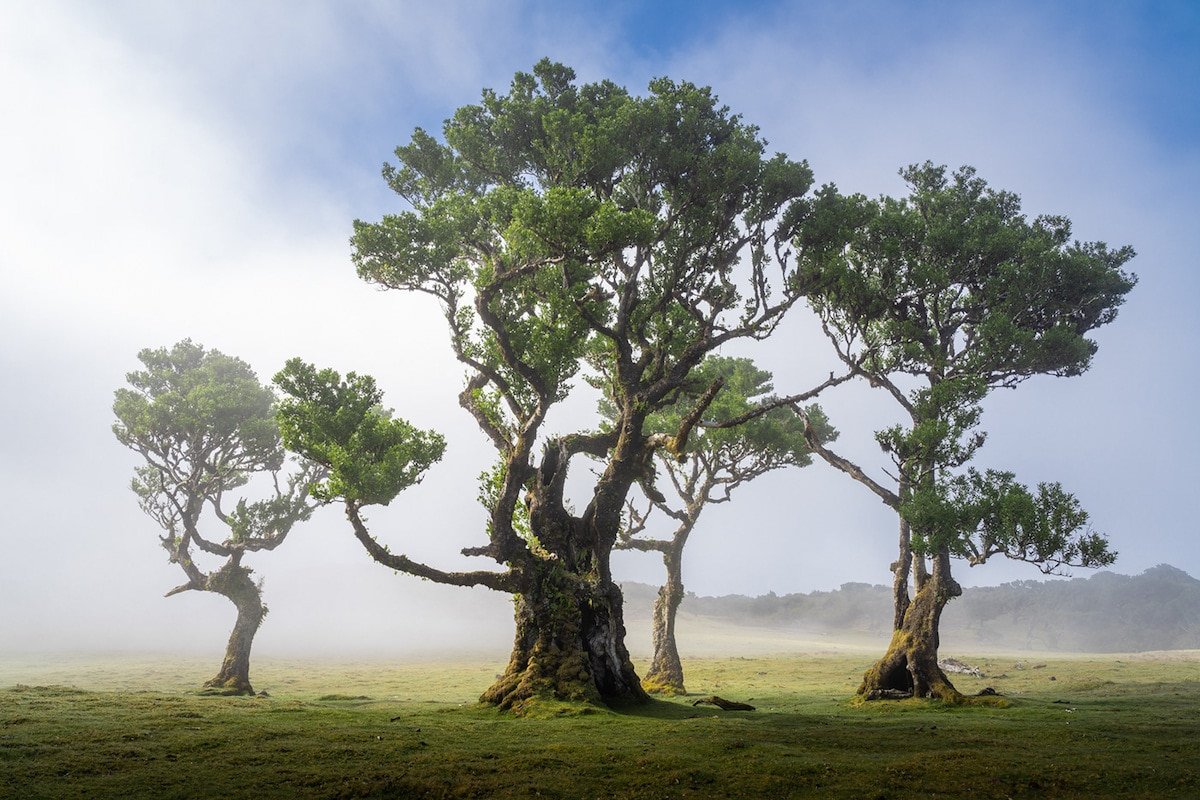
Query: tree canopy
<point x="954" y="287"/>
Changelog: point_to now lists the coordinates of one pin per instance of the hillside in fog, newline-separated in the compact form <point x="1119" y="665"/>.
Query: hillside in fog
<point x="1156" y="610"/>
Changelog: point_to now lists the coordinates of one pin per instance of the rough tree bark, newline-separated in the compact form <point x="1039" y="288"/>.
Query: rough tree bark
<point x="233" y="582"/>
<point x="911" y="663"/>
<point x="665" y="675"/>
<point x="570" y="627"/>
<point x="569" y="645"/>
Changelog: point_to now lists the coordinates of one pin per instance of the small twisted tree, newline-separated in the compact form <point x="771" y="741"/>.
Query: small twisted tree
<point x="205" y="425"/>
<point x="937" y="299"/>
<point x="717" y="461"/>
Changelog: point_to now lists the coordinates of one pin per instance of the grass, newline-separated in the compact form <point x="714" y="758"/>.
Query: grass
<point x="1071" y="727"/>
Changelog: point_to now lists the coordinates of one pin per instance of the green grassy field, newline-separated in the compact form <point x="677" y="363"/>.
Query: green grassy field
<point x="1100" y="726"/>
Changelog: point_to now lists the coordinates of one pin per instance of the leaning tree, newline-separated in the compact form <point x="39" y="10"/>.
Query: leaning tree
<point x="205" y="426"/>
<point x="569" y="228"/>
<point x="937" y="299"/>
<point x="716" y="461"/>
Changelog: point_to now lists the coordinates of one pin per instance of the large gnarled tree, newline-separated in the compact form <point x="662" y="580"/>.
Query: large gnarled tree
<point x="565" y="227"/>
<point x="938" y="298"/>
<point x="205" y="426"/>
<point x="717" y="461"/>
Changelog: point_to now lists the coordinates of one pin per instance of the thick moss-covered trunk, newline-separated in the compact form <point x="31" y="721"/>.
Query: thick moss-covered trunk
<point x="570" y="637"/>
<point x="911" y="661"/>
<point x="234" y="582"/>
<point x="569" y="645"/>
<point x="665" y="675"/>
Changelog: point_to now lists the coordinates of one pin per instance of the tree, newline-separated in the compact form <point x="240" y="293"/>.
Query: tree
<point x="565" y="228"/>
<point x="939" y="298"/>
<point x="716" y="462"/>
<point x="205" y="426"/>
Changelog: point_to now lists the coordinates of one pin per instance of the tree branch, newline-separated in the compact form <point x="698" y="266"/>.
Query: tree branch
<point x="853" y="470"/>
<point x="500" y="581"/>
<point x="768" y="406"/>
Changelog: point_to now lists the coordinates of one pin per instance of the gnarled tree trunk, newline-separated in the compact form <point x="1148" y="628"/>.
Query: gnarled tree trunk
<point x="569" y="644"/>
<point x="911" y="662"/>
<point x="234" y="582"/>
<point x="665" y="675"/>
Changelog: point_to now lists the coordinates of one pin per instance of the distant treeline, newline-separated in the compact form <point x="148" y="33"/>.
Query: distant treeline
<point x="1157" y="610"/>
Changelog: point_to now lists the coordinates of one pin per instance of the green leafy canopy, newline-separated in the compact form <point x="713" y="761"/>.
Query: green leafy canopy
<point x="199" y="418"/>
<point x="980" y="514"/>
<point x="562" y="224"/>
<point x="339" y="423"/>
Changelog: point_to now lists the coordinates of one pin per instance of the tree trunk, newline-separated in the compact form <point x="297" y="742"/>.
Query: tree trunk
<point x="569" y="644"/>
<point x="900" y="569"/>
<point x="234" y="582"/>
<point x="666" y="671"/>
<point x="911" y="663"/>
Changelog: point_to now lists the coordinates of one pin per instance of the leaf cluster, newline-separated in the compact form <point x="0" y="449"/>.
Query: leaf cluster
<point x="980" y="514"/>
<point x="776" y="436"/>
<point x="339" y="423"/>
<point x="200" y="418"/>
<point x="562" y="223"/>
<point x="204" y="425"/>
<point x="953" y="280"/>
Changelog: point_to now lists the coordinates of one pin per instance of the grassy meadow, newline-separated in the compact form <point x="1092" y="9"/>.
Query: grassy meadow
<point x="1082" y="726"/>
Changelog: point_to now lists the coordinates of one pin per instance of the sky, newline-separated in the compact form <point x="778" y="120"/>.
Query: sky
<point x="192" y="170"/>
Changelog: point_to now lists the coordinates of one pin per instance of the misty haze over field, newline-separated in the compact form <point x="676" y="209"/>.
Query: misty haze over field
<point x="192" y="170"/>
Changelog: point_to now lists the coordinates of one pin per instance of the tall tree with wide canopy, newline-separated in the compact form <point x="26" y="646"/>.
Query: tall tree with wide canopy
<point x="205" y="426"/>
<point x="937" y="299"/>
<point x="560" y="226"/>
<point x="716" y="461"/>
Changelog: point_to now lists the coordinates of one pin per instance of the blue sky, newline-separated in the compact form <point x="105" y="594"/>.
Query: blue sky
<point x="191" y="169"/>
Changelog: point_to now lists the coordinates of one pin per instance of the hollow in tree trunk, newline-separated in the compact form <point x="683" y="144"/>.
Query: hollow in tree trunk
<point x="911" y="661"/>
<point x="234" y="582"/>
<point x="569" y="644"/>
<point x="665" y="675"/>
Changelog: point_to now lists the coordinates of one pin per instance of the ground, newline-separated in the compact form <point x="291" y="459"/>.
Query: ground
<point x="1087" y="726"/>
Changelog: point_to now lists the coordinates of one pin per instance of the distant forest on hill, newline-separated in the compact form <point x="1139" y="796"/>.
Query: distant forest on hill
<point x="1156" y="610"/>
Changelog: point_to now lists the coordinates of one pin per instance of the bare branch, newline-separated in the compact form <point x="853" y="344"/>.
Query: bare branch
<point x="183" y="587"/>
<point x="853" y="470"/>
<point x="500" y="581"/>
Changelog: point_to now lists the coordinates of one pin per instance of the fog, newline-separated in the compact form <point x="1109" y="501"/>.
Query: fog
<point x="171" y="171"/>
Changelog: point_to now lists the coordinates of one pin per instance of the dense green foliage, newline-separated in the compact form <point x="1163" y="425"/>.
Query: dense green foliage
<point x="981" y="514"/>
<point x="940" y="297"/>
<point x="201" y="420"/>
<point x="205" y="425"/>
<point x="371" y="456"/>
<point x="561" y="225"/>
<point x="1103" y="728"/>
